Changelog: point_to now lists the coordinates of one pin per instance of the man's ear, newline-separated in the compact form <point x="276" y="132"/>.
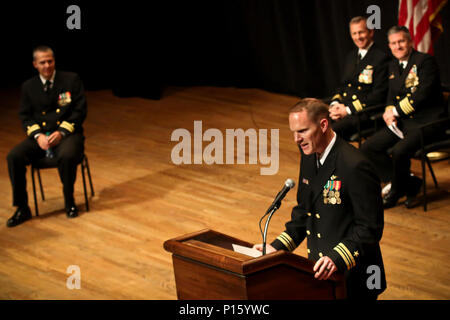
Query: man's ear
<point x="324" y="123"/>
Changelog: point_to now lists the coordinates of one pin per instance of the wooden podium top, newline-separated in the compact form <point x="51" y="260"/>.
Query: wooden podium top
<point x="215" y="249"/>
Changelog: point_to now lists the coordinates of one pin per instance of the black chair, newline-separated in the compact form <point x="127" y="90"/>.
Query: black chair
<point x="47" y="163"/>
<point x="374" y="114"/>
<point x="442" y="143"/>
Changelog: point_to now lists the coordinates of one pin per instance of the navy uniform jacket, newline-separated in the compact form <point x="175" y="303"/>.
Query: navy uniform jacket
<point x="416" y="93"/>
<point x="63" y="108"/>
<point x="363" y="84"/>
<point x="347" y="229"/>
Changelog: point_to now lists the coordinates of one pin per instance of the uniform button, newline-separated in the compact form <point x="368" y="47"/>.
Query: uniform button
<point x="43" y="113"/>
<point x="408" y="94"/>
<point x="317" y="216"/>
<point x="309" y="251"/>
<point x="398" y="98"/>
<point x="57" y="122"/>
<point x="411" y="101"/>
<point x="43" y="123"/>
<point x="318" y="235"/>
<point x="308" y="232"/>
<point x="354" y="97"/>
<point x="58" y="110"/>
<point x="349" y="85"/>
<point x="320" y="254"/>
<point x="344" y="94"/>
<point x="364" y="104"/>
<point x="359" y="87"/>
<point x="309" y="214"/>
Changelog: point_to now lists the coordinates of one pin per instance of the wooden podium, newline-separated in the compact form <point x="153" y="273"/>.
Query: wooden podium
<point x="207" y="268"/>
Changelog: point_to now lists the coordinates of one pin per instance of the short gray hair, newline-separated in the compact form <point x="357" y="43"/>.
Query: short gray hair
<point x="358" y="19"/>
<point x="42" y="48"/>
<point x="397" y="29"/>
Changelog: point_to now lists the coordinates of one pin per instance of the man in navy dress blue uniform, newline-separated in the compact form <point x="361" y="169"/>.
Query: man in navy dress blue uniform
<point x="339" y="210"/>
<point x="52" y="110"/>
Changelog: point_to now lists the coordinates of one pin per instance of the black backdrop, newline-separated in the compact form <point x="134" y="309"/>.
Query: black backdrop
<point x="293" y="47"/>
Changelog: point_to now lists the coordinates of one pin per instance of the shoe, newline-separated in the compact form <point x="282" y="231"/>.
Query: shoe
<point x="415" y="185"/>
<point x="72" y="211"/>
<point x="391" y="199"/>
<point x="21" y="215"/>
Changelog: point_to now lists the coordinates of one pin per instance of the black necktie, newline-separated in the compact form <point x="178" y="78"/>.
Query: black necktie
<point x="47" y="86"/>
<point x="401" y="68"/>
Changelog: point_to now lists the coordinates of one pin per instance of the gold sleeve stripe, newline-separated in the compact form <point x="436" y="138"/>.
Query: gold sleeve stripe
<point x="389" y="107"/>
<point x="287" y="241"/>
<point x="357" y="105"/>
<point x="68" y="126"/>
<point x="33" y="128"/>
<point x="345" y="254"/>
<point x="406" y="106"/>
<point x="337" y="97"/>
<point x="341" y="245"/>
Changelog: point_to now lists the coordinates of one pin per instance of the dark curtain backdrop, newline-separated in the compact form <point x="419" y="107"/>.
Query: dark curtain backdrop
<point x="137" y="49"/>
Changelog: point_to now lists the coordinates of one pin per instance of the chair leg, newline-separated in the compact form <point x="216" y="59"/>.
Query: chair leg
<point x="40" y="184"/>
<point x="34" y="192"/>
<point x="424" y="178"/>
<point x="89" y="175"/>
<point x="432" y="172"/>
<point x="84" y="186"/>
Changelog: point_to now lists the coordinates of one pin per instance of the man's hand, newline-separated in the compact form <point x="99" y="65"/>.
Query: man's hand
<point x="43" y="142"/>
<point x="269" y="248"/>
<point x="55" y="138"/>
<point x="324" y="268"/>
<point x="337" y="111"/>
<point x="389" y="117"/>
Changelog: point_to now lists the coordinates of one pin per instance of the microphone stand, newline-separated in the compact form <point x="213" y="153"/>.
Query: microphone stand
<point x="269" y="212"/>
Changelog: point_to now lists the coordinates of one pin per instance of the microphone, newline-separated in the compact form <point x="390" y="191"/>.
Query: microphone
<point x="288" y="185"/>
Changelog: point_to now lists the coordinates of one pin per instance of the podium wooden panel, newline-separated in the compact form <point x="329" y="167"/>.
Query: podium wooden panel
<point x="207" y="268"/>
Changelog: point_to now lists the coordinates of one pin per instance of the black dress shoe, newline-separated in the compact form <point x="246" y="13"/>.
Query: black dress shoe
<point x="390" y="200"/>
<point x="21" y="215"/>
<point x="415" y="185"/>
<point x="72" y="211"/>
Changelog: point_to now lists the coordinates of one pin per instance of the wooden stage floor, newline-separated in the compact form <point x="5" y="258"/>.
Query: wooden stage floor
<point x="143" y="198"/>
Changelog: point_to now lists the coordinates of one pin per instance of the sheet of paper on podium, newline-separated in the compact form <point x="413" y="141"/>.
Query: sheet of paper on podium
<point x="247" y="251"/>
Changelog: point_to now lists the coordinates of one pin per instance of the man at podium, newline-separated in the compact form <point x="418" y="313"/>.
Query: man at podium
<point x="340" y="208"/>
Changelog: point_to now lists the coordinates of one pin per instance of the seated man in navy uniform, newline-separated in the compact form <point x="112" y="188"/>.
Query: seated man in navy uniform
<point x="339" y="210"/>
<point x="364" y="81"/>
<point x="414" y="98"/>
<point x="52" y="110"/>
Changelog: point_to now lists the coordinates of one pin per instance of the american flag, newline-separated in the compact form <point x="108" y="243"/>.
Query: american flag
<point x="423" y="20"/>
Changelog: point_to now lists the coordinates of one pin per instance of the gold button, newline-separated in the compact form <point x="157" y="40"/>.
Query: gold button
<point x="344" y="94"/>
<point x="411" y="101"/>
<point x="364" y="104"/>
<point x="318" y="235"/>
<point x="408" y="94"/>
<point x="320" y="254"/>
<point x="309" y="214"/>
<point x="398" y="98"/>
<point x="58" y="110"/>
<point x="317" y="216"/>
<point x="308" y="232"/>
<point x="309" y="251"/>
<point x="354" y="97"/>
<point x="43" y="123"/>
<point x="349" y="84"/>
<point x="57" y="122"/>
<point x="359" y="87"/>
<point x="43" y="113"/>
